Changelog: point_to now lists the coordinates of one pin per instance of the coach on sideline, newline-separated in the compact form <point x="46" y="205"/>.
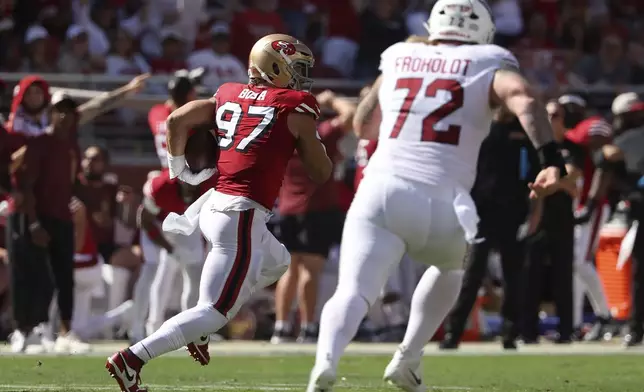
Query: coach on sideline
<point x="507" y="163"/>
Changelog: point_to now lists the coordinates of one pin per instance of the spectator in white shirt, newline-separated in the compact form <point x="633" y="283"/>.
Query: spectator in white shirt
<point x="221" y="66"/>
<point x="508" y="20"/>
<point x="124" y="59"/>
<point x="96" y="22"/>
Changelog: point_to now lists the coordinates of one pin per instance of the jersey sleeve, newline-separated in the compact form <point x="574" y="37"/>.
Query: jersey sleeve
<point x="600" y="128"/>
<point x="302" y="102"/>
<point x="151" y="190"/>
<point x="501" y="58"/>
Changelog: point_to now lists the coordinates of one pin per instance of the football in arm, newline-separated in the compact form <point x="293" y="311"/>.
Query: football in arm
<point x="202" y="150"/>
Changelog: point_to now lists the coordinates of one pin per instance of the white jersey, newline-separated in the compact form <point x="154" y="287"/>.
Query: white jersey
<point x="435" y="110"/>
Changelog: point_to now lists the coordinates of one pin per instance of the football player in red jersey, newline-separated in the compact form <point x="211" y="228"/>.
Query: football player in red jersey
<point x="261" y="124"/>
<point x="591" y="133"/>
<point x="181" y="90"/>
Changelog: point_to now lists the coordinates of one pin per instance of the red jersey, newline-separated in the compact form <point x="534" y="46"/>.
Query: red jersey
<point x="88" y="256"/>
<point x="162" y="195"/>
<point x="156" y="119"/>
<point x="580" y="135"/>
<point x="299" y="194"/>
<point x="256" y="144"/>
<point x="366" y="148"/>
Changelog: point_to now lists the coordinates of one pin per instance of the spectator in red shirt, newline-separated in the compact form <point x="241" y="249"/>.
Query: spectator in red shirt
<point x="173" y="53"/>
<point x="260" y="19"/>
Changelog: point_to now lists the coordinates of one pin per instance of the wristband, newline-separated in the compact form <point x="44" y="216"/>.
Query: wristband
<point x="176" y="165"/>
<point x="549" y="155"/>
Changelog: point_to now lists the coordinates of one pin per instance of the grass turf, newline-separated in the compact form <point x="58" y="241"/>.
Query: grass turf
<point x="357" y="373"/>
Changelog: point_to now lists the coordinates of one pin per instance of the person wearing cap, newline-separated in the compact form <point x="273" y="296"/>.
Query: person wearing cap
<point x="220" y="65"/>
<point x="622" y="162"/>
<point x="589" y="132"/>
<point x="36" y="39"/>
<point x="173" y="49"/>
<point x="76" y="57"/>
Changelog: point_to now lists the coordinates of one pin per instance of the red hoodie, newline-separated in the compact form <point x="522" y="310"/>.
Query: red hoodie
<point x="19" y="121"/>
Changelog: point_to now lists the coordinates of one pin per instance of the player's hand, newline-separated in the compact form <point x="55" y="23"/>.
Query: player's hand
<point x="39" y="236"/>
<point x="546" y="183"/>
<point x="137" y="84"/>
<point x="584" y="214"/>
<point x="325" y="98"/>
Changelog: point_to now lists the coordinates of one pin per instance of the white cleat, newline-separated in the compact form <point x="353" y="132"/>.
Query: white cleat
<point x="404" y="374"/>
<point x="70" y="343"/>
<point x="322" y="379"/>
<point x="18" y="342"/>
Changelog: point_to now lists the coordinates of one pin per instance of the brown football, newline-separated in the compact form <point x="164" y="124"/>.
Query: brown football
<point x="202" y="150"/>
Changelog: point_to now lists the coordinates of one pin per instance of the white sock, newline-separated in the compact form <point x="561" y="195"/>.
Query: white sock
<point x="578" y="294"/>
<point x="118" y="286"/>
<point x="282" y="325"/>
<point x="105" y="321"/>
<point x="141" y="300"/>
<point x="594" y="288"/>
<point x="339" y="323"/>
<point x="433" y="298"/>
<point x="180" y="330"/>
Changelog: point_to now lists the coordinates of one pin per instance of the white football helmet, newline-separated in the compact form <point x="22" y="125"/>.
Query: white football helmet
<point x="461" y="20"/>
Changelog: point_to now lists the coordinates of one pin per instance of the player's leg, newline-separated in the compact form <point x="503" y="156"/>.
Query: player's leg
<point x="141" y="292"/>
<point x="232" y="272"/>
<point x="85" y="282"/>
<point x="319" y="227"/>
<point x="586" y="272"/>
<point x="286" y="289"/>
<point x="368" y="253"/>
<point x="438" y="242"/>
<point x="190" y="293"/>
<point x="167" y="271"/>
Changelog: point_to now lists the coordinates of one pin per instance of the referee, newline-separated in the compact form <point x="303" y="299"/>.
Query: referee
<point x="507" y="163"/>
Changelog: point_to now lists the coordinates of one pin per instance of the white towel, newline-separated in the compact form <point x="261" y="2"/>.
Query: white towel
<point x="467" y="215"/>
<point x="187" y="223"/>
<point x="626" y="249"/>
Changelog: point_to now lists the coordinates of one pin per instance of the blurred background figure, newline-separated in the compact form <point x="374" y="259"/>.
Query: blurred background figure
<point x="310" y="223"/>
<point x="507" y="163"/>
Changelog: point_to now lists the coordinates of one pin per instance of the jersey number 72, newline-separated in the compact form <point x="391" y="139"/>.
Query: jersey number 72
<point x="429" y="134"/>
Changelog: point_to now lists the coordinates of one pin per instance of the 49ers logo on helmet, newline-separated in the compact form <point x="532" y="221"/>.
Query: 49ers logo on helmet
<point x="283" y="47"/>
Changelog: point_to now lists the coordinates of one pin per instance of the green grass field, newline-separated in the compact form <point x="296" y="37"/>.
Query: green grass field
<point x="281" y="372"/>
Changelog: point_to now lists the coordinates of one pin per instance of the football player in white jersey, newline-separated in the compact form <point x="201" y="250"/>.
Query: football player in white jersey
<point x="437" y="98"/>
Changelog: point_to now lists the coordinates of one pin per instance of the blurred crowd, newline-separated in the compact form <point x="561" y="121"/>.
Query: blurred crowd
<point x="128" y="274"/>
<point x="578" y="42"/>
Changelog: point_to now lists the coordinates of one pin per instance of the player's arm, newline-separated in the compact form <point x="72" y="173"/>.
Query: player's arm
<point x="600" y="133"/>
<point x="79" y="218"/>
<point x="511" y="90"/>
<point x="110" y="100"/>
<point x="182" y="120"/>
<point x="148" y="221"/>
<point x="310" y="147"/>
<point x="365" y="113"/>
<point x="607" y="160"/>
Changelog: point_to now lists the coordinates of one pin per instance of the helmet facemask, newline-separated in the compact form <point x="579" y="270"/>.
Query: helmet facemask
<point x="300" y="71"/>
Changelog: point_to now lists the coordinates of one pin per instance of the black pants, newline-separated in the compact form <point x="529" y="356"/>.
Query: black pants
<point x="637" y="312"/>
<point x="37" y="271"/>
<point x="476" y="263"/>
<point x="553" y="245"/>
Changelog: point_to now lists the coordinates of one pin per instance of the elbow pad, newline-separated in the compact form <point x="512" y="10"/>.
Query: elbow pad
<point x="600" y="161"/>
<point x="549" y="155"/>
